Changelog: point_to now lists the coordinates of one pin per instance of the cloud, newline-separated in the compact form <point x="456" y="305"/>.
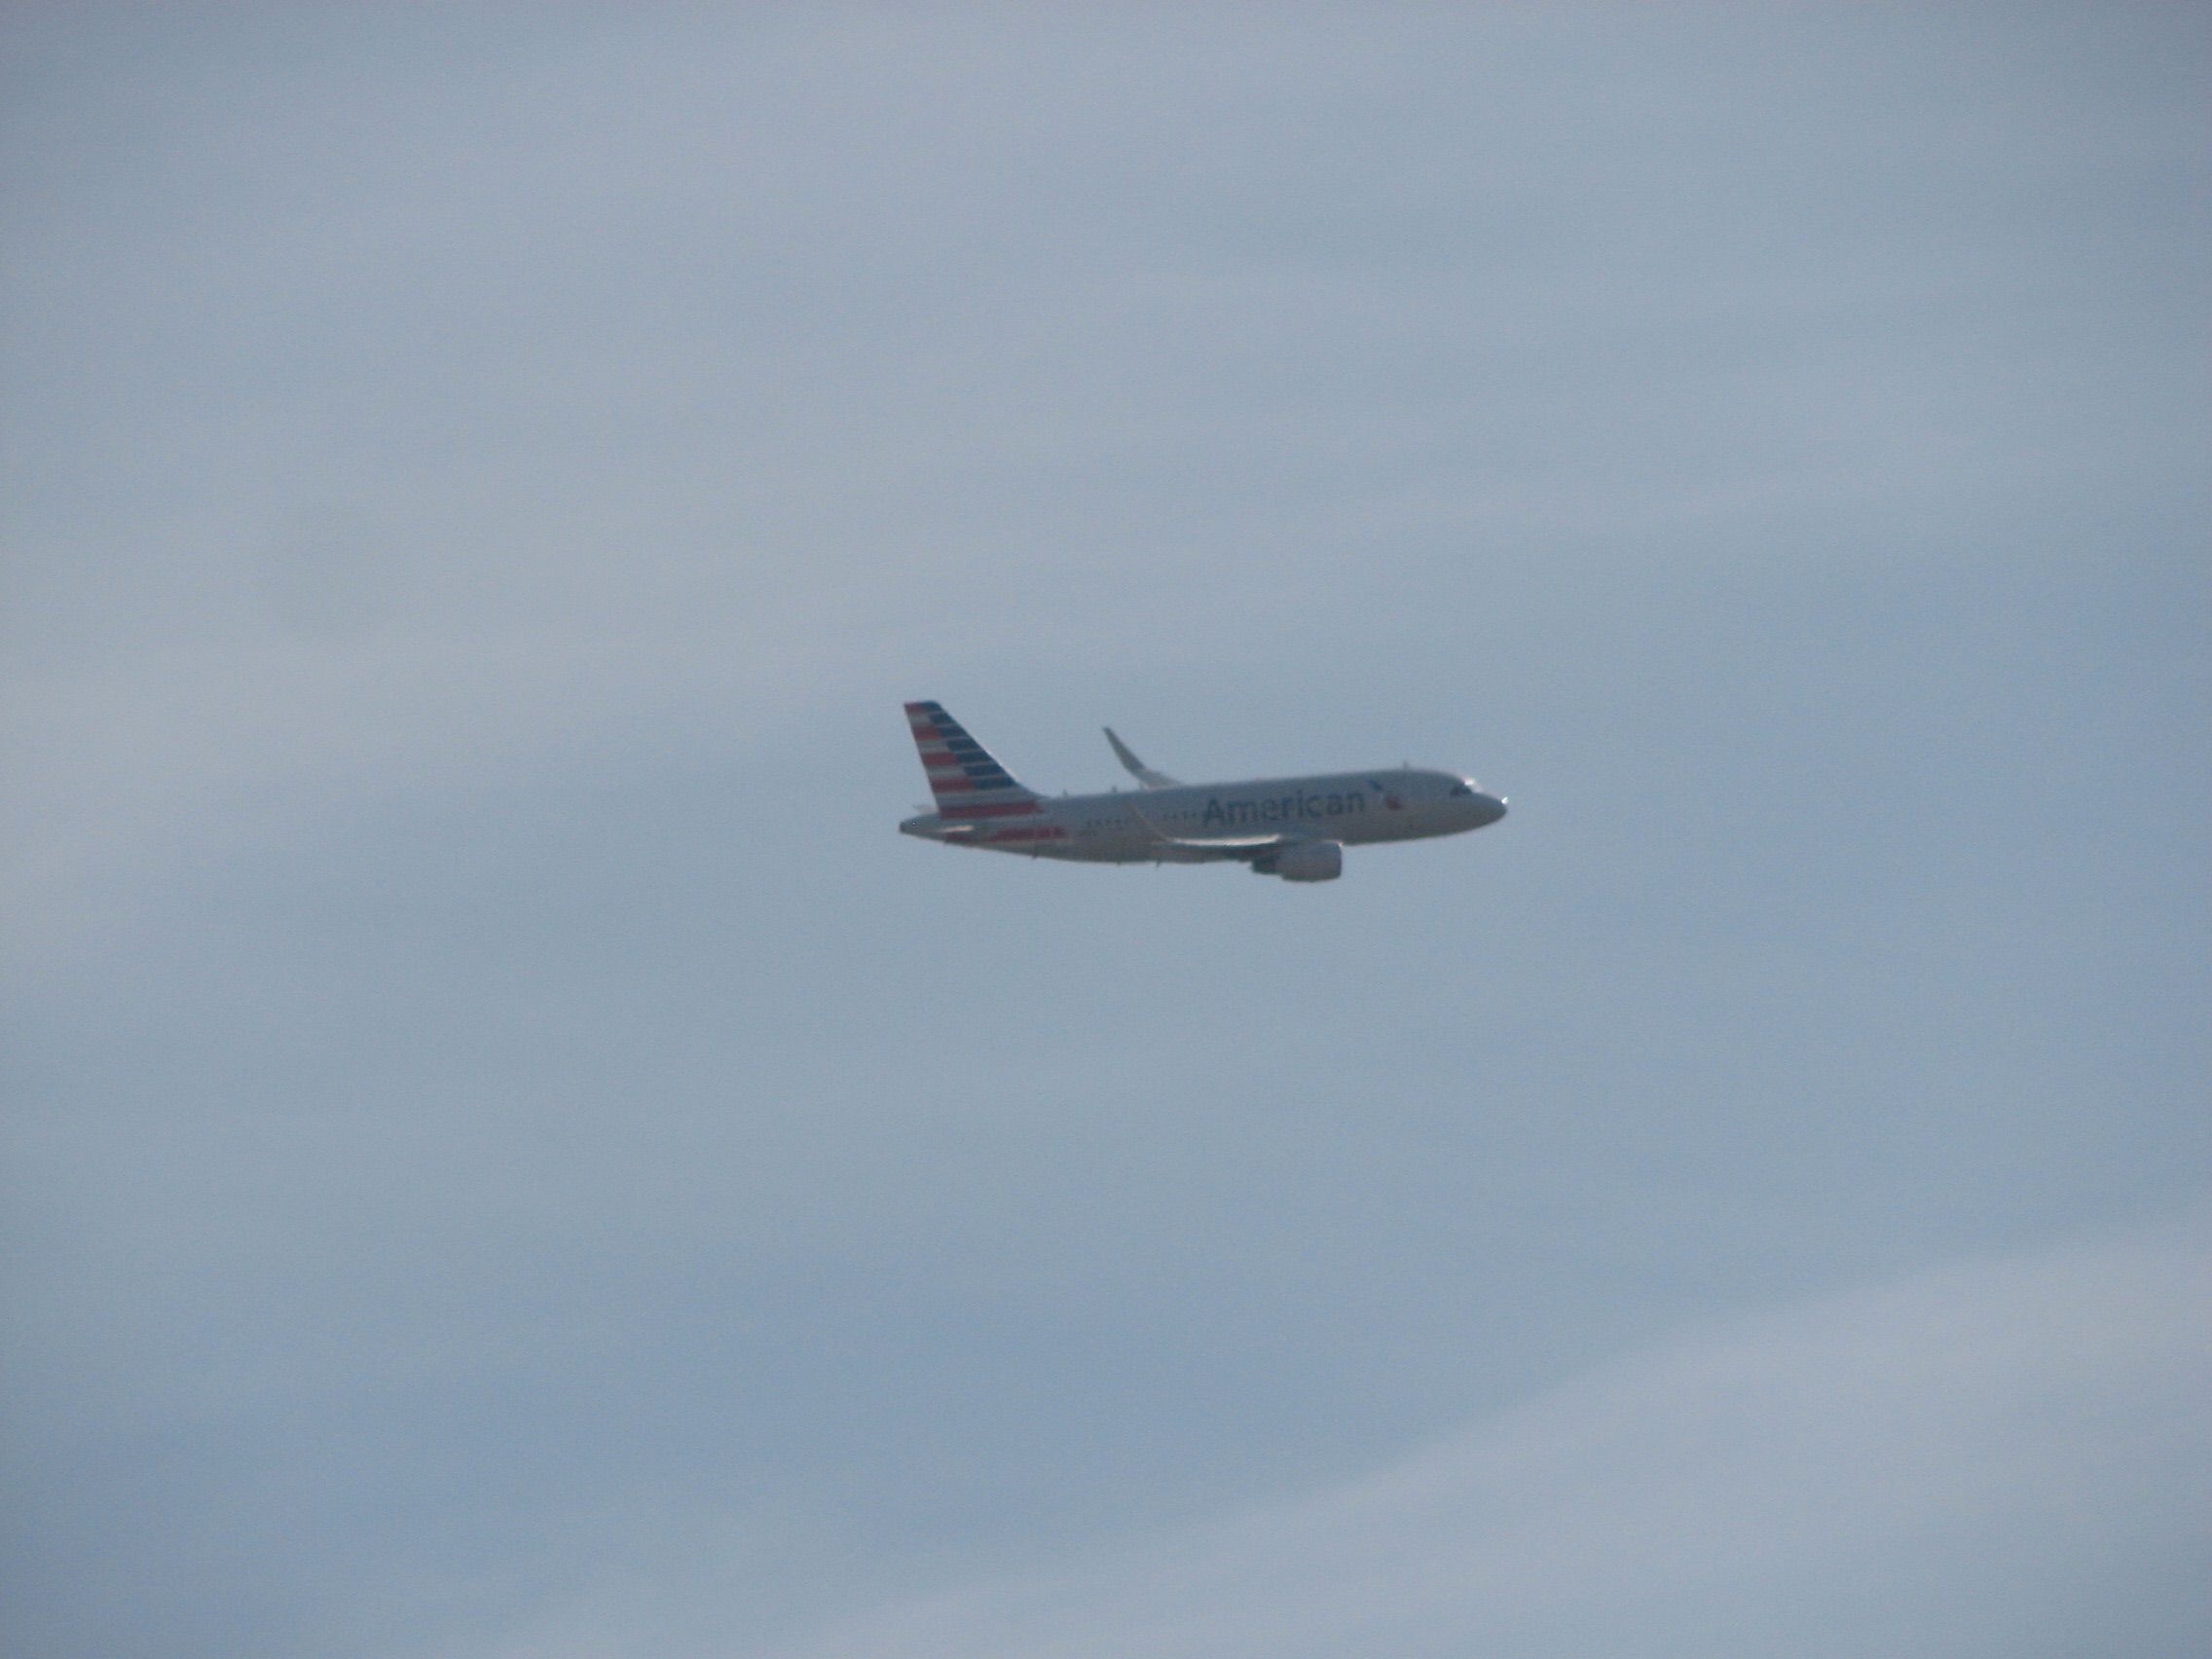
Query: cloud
<point x="637" y="374"/>
<point x="638" y="368"/>
<point x="2001" y="1456"/>
<point x="123" y="764"/>
<point x="476" y="492"/>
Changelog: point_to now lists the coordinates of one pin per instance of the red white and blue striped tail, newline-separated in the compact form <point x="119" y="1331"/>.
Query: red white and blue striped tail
<point x="963" y="777"/>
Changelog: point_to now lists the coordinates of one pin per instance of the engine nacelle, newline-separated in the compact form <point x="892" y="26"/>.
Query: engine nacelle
<point x="1310" y="861"/>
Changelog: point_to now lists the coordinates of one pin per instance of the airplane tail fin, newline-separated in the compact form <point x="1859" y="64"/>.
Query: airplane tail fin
<point x="964" y="780"/>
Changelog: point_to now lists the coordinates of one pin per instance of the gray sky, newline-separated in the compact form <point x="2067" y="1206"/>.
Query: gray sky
<point x="509" y="1153"/>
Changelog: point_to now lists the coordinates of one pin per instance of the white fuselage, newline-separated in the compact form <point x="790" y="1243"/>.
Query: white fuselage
<point x="1161" y="825"/>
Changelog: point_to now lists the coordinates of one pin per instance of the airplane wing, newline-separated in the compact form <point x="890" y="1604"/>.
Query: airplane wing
<point x="1138" y="771"/>
<point x="1219" y="846"/>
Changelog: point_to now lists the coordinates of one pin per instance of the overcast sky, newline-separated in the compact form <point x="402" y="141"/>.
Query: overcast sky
<point x="509" y="1153"/>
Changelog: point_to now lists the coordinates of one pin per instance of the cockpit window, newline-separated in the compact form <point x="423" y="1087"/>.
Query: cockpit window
<point x="1462" y="788"/>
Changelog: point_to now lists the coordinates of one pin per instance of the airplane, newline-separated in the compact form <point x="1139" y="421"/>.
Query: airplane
<point x="1296" y="828"/>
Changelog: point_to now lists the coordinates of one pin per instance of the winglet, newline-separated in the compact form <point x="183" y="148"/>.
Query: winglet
<point x="1138" y="771"/>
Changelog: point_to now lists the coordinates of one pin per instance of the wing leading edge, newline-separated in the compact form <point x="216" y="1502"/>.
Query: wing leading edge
<point x="1219" y="846"/>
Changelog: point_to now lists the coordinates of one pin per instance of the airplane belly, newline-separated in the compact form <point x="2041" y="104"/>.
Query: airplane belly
<point x="1101" y="835"/>
<point x="1128" y="843"/>
<point x="1409" y="823"/>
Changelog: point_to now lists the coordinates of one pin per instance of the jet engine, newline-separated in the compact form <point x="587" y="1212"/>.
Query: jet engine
<point x="1310" y="861"/>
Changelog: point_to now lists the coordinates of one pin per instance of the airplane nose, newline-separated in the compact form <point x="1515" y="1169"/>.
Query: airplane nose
<point x="1494" y="808"/>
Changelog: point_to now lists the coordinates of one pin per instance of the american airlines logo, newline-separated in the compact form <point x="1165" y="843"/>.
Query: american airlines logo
<point x="1281" y="809"/>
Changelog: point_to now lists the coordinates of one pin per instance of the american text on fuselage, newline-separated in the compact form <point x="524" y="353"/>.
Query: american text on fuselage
<point x="1293" y="828"/>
